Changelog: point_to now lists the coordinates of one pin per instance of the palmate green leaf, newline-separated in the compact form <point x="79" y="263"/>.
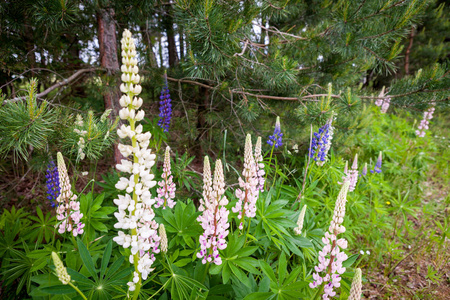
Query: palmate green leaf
<point x="42" y="227"/>
<point x="86" y="258"/>
<point x="105" y="259"/>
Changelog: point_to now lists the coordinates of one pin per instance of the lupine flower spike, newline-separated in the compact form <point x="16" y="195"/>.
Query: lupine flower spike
<point x="53" y="189"/>
<point x="383" y="101"/>
<point x="214" y="220"/>
<point x="330" y="268"/>
<point x="364" y="170"/>
<point x="207" y="186"/>
<point x="427" y="115"/>
<point x="166" y="190"/>
<point x="276" y="138"/>
<point x="135" y="214"/>
<point x="321" y="143"/>
<point x="163" y="235"/>
<point x="377" y="168"/>
<point x="353" y="174"/>
<point x="61" y="271"/>
<point x="355" y="291"/>
<point x="301" y="218"/>
<point x="68" y="210"/>
<point x="165" y="107"/>
<point x="260" y="165"/>
<point x="249" y="191"/>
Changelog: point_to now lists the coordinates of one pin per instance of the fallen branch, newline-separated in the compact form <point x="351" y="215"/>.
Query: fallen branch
<point x="56" y="85"/>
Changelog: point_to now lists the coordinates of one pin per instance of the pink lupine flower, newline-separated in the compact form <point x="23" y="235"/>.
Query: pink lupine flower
<point x="383" y="101"/>
<point x="427" y="115"/>
<point x="166" y="190"/>
<point x="68" y="210"/>
<point x="353" y="174"/>
<point x="214" y="220"/>
<point x="331" y="257"/>
<point x="260" y="165"/>
<point x="248" y="192"/>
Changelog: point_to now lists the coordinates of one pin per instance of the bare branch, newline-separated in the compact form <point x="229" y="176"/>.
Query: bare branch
<point x="59" y="84"/>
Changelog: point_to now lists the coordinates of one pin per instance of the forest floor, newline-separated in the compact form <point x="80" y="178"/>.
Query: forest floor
<point x="424" y="271"/>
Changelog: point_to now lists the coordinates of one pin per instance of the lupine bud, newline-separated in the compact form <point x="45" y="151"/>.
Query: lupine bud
<point x="276" y="138"/>
<point x="260" y="164"/>
<point x="364" y="170"/>
<point x="355" y="291"/>
<point x="301" y="217"/>
<point x="353" y="174"/>
<point x="163" y="235"/>
<point x="61" y="271"/>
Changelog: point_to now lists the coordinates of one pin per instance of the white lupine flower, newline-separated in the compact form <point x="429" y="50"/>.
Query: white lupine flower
<point x="355" y="291"/>
<point x="135" y="211"/>
<point x="61" y="271"/>
<point x="301" y="217"/>
<point x="260" y="164"/>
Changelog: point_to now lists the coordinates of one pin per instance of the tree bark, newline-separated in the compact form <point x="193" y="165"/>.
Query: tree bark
<point x="168" y="26"/>
<point x="146" y="34"/>
<point x="408" y="51"/>
<point x="109" y="60"/>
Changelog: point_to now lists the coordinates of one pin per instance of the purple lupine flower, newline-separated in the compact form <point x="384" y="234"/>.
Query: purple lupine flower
<point x="377" y="168"/>
<point x="276" y="138"/>
<point x="364" y="170"/>
<point x="53" y="189"/>
<point x="321" y="143"/>
<point x="427" y="115"/>
<point x="165" y="108"/>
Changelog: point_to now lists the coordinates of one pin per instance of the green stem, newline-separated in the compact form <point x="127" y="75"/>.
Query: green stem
<point x="319" y="292"/>
<point x="79" y="292"/>
<point x="270" y="161"/>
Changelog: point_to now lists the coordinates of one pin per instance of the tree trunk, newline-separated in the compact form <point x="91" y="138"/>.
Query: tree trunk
<point x="146" y="34"/>
<point x="168" y="26"/>
<point x="109" y="60"/>
<point x="180" y="31"/>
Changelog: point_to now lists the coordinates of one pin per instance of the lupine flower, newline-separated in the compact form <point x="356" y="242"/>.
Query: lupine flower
<point x="377" y="168"/>
<point x="260" y="165"/>
<point x="61" y="271"/>
<point x="385" y="105"/>
<point x="427" y="115"/>
<point x="165" y="108"/>
<point x="301" y="217"/>
<point x="205" y="202"/>
<point x="68" y="210"/>
<point x="166" y="190"/>
<point x="355" y="291"/>
<point x="248" y="193"/>
<point x="163" y="235"/>
<point x="135" y="213"/>
<point x="53" y="189"/>
<point x="383" y="101"/>
<point x="331" y="257"/>
<point x="276" y="138"/>
<point x="353" y="174"/>
<point x="364" y="170"/>
<point x="214" y="220"/>
<point x="321" y="143"/>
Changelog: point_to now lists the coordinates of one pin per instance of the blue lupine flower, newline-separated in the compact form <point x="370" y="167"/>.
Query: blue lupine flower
<point x="276" y="137"/>
<point x="364" y="170"/>
<point x="377" y="168"/>
<point x="53" y="188"/>
<point x="165" y="108"/>
<point x="321" y="143"/>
